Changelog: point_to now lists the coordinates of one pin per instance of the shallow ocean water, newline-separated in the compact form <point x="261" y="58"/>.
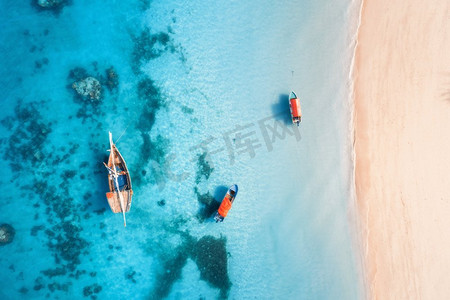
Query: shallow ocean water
<point x="200" y="103"/>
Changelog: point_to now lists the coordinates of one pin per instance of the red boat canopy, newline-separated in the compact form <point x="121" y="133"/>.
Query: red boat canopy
<point x="224" y="207"/>
<point x="295" y="107"/>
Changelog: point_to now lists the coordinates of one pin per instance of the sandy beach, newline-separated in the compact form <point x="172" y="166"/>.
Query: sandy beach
<point x="402" y="145"/>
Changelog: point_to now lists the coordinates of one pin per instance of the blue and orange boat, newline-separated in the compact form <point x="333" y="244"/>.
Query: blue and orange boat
<point x="227" y="201"/>
<point x="296" y="111"/>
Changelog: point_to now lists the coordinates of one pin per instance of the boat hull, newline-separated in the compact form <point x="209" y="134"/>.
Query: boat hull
<point x="226" y="203"/>
<point x="295" y="108"/>
<point x="124" y="182"/>
<point x="114" y="200"/>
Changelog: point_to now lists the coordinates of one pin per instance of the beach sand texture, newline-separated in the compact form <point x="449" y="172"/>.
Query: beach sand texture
<point x="402" y="145"/>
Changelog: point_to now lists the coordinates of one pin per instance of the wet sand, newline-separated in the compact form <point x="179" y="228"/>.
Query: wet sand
<point x="402" y="147"/>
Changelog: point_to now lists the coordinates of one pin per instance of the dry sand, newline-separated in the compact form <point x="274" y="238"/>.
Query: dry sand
<point x="402" y="146"/>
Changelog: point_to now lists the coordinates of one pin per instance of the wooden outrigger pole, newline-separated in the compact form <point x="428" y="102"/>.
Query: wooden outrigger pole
<point x="116" y="176"/>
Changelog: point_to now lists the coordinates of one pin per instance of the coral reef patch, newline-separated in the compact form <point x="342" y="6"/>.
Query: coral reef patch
<point x="54" y="6"/>
<point x="7" y="233"/>
<point x="172" y="268"/>
<point x="112" y="78"/>
<point x="210" y="255"/>
<point x="89" y="88"/>
<point x="150" y="150"/>
<point x="48" y="187"/>
<point x="204" y="169"/>
<point x="49" y="3"/>
<point x="29" y="132"/>
<point x="149" y="46"/>
<point x="92" y="290"/>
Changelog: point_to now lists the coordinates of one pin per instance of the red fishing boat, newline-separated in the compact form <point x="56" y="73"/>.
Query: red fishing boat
<point x="296" y="111"/>
<point x="226" y="203"/>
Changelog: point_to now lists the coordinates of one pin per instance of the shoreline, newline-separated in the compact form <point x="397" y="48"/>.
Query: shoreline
<point x="354" y="214"/>
<point x="401" y="77"/>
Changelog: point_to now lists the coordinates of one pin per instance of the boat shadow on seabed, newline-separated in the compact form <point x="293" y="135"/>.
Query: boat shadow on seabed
<point x="210" y="203"/>
<point x="97" y="172"/>
<point x="280" y="110"/>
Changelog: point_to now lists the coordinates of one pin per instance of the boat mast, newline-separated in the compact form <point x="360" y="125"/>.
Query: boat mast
<point x="116" y="176"/>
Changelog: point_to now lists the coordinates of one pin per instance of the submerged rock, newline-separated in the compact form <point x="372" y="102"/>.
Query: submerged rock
<point x="7" y="233"/>
<point x="49" y="3"/>
<point x="88" y="88"/>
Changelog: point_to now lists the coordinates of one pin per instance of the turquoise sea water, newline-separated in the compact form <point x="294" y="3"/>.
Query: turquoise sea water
<point x="200" y="103"/>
